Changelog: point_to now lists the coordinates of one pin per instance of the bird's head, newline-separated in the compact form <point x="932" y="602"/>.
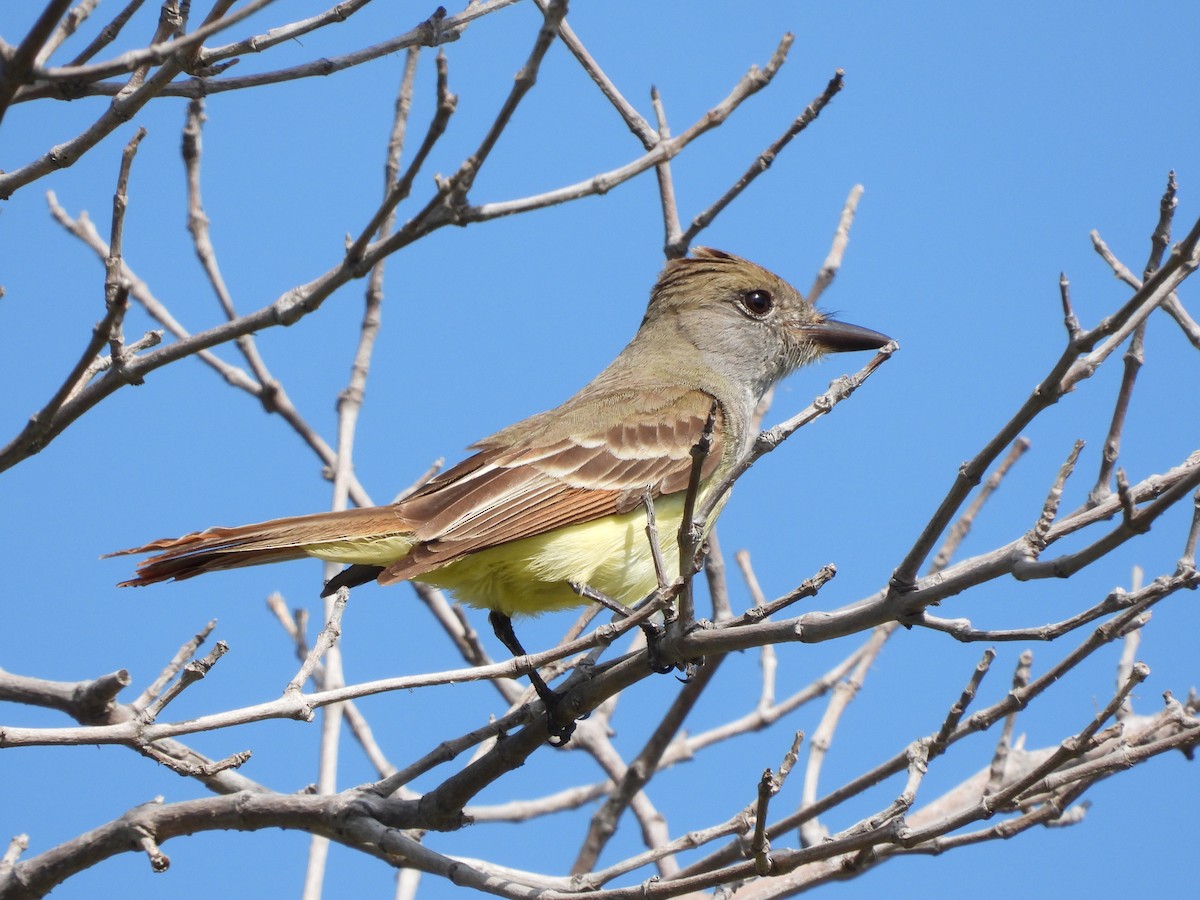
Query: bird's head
<point x="747" y="323"/>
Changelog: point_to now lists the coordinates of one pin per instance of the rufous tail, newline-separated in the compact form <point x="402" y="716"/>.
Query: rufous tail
<point x="251" y="545"/>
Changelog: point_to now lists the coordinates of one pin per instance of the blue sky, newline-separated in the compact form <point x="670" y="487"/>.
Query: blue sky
<point x="990" y="138"/>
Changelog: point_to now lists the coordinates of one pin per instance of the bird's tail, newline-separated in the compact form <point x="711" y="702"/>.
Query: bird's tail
<point x="347" y="536"/>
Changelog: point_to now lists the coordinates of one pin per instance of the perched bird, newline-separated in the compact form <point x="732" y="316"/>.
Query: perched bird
<point x="558" y="500"/>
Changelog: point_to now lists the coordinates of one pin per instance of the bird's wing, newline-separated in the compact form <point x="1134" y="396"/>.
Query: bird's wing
<point x="506" y="493"/>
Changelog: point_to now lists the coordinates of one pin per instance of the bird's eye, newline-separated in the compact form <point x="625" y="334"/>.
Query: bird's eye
<point x="757" y="303"/>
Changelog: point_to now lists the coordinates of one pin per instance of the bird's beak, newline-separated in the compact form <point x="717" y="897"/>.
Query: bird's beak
<point x="839" y="337"/>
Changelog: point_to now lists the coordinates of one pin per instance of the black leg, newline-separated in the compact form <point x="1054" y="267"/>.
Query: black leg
<point x="350" y="577"/>
<point x="559" y="733"/>
<point x="653" y="633"/>
<point x="654" y="636"/>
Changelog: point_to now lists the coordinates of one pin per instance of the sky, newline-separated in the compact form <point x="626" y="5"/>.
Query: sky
<point x="990" y="140"/>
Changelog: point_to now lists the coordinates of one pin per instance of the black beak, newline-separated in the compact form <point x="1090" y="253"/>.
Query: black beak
<point x="839" y="337"/>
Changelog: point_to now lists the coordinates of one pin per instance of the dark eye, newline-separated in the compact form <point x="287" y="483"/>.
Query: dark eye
<point x="757" y="303"/>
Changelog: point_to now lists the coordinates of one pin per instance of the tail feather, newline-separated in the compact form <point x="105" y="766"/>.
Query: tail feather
<point x="265" y="542"/>
<point x="177" y="568"/>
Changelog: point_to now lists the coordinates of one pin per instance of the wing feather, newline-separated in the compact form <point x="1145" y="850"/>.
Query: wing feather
<point x="505" y="495"/>
<point x="552" y="471"/>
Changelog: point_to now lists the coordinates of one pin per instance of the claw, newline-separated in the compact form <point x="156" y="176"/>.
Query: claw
<point x="654" y="636"/>
<point x="689" y="670"/>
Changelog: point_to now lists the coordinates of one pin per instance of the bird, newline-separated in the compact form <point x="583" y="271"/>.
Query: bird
<point x="559" y="500"/>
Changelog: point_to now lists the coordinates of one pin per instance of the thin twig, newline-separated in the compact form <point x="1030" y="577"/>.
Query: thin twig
<point x="1036" y="536"/>
<point x="1070" y="320"/>
<point x="399" y="189"/>
<point x="1078" y="361"/>
<point x="768" y="156"/>
<point x="116" y="294"/>
<point x="839" y="390"/>
<point x="811" y="831"/>
<point x="691" y="530"/>
<point x="1129" y="648"/>
<point x="810" y="587"/>
<point x="938" y="745"/>
<point x="18" y="65"/>
<point x="841" y="239"/>
<point x="107" y="34"/>
<point x="194" y="671"/>
<point x="67" y="27"/>
<point x="328" y="635"/>
<point x="1187" y="562"/>
<point x="672" y="232"/>
<point x="962" y="525"/>
<point x="1020" y="682"/>
<point x="1134" y="358"/>
<point x="197" y="224"/>
<point x="760" y="845"/>
<point x="632" y="118"/>
<point x="182" y="655"/>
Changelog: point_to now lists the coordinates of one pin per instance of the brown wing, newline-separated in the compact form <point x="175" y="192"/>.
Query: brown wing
<point x="555" y="473"/>
<point x="550" y="480"/>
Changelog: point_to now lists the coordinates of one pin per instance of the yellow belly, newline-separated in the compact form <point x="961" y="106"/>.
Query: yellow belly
<point x="534" y="575"/>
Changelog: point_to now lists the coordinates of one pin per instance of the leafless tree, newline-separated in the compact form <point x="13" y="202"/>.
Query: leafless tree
<point x="755" y="849"/>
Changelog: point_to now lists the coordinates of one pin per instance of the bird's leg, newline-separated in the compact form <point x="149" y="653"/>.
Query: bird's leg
<point x="653" y="633"/>
<point x="559" y="733"/>
<point x="654" y="639"/>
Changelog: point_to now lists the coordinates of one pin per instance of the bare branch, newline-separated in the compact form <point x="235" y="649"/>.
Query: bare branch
<point x="328" y="636"/>
<point x="768" y="156"/>
<point x="1037" y="535"/>
<point x="272" y="395"/>
<point x="1187" y="562"/>
<point x="108" y="33"/>
<point x="1070" y="320"/>
<point x="181" y="658"/>
<point x="115" y="293"/>
<point x="841" y="239"/>
<point x="938" y="745"/>
<point x="191" y="673"/>
<point x="398" y="190"/>
<point x="159" y="51"/>
<point x="750" y="84"/>
<point x="839" y="389"/>
<point x="1004" y="746"/>
<point x="16" y="67"/>
<point x="1077" y="362"/>
<point x="1134" y="358"/>
<point x="962" y="525"/>
<point x="1171" y="305"/>
<point x="672" y="231"/>
<point x="635" y="122"/>
<point x="811" y="831"/>
<point x="604" y="822"/>
<point x="67" y="27"/>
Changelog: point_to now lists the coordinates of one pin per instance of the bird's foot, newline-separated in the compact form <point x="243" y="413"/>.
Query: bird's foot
<point x="559" y="721"/>
<point x="655" y="634"/>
